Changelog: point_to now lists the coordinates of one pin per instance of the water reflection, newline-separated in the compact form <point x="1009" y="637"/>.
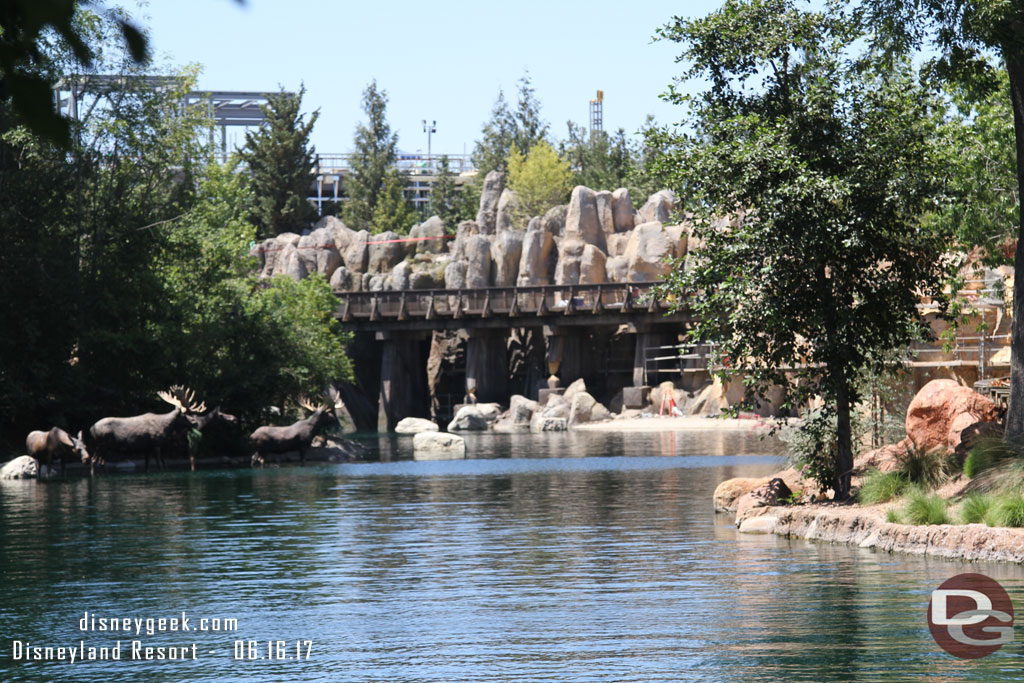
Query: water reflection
<point x="527" y="561"/>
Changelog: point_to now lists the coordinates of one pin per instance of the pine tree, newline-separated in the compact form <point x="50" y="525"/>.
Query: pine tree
<point x="444" y="196"/>
<point x="375" y="152"/>
<point x="507" y="130"/>
<point x="280" y="162"/>
<point x="392" y="211"/>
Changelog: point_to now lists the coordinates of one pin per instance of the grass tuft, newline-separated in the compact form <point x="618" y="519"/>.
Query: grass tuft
<point x="879" y="487"/>
<point x="975" y="508"/>
<point x="1007" y="510"/>
<point x="892" y="516"/>
<point x="925" y="508"/>
<point x="929" y="469"/>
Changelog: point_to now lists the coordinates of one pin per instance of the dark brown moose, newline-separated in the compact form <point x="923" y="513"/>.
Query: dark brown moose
<point x="116" y="436"/>
<point x="207" y="422"/>
<point x="277" y="440"/>
<point x="56" y="444"/>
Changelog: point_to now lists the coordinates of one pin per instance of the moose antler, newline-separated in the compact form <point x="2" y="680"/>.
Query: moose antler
<point x="183" y="398"/>
<point x="308" y="405"/>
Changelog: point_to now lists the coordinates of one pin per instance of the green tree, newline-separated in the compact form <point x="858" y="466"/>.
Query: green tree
<point x="965" y="34"/>
<point x="280" y="164"/>
<point x="375" y="153"/>
<point x="393" y="211"/>
<point x="599" y="160"/>
<point x="541" y="179"/>
<point x="444" y="197"/>
<point x="825" y="165"/>
<point x="506" y="129"/>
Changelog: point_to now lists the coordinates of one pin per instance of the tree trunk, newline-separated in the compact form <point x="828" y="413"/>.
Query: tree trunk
<point x="1015" y="410"/>
<point x="844" y="438"/>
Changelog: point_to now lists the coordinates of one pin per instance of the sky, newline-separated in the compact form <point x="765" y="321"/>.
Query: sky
<point x="440" y="60"/>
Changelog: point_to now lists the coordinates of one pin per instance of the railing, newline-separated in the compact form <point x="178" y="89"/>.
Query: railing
<point x="413" y="163"/>
<point x="540" y="300"/>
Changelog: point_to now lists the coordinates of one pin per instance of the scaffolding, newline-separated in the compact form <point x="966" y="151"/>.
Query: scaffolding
<point x="597" y="113"/>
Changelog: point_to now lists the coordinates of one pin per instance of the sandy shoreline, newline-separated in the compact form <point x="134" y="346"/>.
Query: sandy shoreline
<point x="678" y="424"/>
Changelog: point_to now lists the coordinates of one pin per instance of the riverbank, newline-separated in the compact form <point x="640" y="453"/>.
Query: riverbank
<point x="866" y="527"/>
<point x="678" y="424"/>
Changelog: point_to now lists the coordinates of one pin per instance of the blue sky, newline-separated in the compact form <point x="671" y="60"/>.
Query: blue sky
<point x="440" y="60"/>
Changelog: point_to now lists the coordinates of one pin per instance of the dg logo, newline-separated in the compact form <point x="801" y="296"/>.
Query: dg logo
<point x="970" y="616"/>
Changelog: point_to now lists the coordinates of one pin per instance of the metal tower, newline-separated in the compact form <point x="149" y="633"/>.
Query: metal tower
<point x="597" y="113"/>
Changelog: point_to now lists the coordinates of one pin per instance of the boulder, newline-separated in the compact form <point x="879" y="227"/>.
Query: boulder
<point x="648" y="248"/>
<point x="400" y="276"/>
<point x="438" y="446"/>
<point x="356" y="255"/>
<point x="521" y="409"/>
<point x="344" y="280"/>
<point x="487" y="216"/>
<point x="622" y="210"/>
<point x="581" y="220"/>
<point x="432" y="228"/>
<point x="415" y="425"/>
<point x="22" y="467"/>
<point x="773" y="492"/>
<point x="616" y="269"/>
<point x="584" y="408"/>
<point x="592" y="266"/>
<point x="490" y="411"/>
<point x="375" y="282"/>
<point x="509" y="209"/>
<point x="729" y="492"/>
<point x="478" y="262"/>
<point x="678" y="235"/>
<point x="570" y="255"/>
<point x="553" y="221"/>
<point x="463" y="231"/>
<point x="617" y="244"/>
<point x="267" y="252"/>
<point x="468" y="419"/>
<point x="658" y="207"/>
<point x="557" y="406"/>
<point x="385" y="253"/>
<point x="507" y="251"/>
<point x="290" y="263"/>
<point x="605" y="212"/>
<point x="428" y="275"/>
<point x="319" y="253"/>
<point x="887" y="458"/>
<point x="535" y="255"/>
<point x="455" y="275"/>
<point x="942" y="410"/>
<point x="576" y="387"/>
<point x="540" y="423"/>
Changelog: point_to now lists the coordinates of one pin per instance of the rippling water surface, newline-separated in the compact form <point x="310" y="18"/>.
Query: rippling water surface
<point x="575" y="557"/>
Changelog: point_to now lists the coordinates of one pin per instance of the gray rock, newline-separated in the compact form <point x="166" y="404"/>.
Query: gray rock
<point x="468" y="419"/>
<point x="455" y="275"/>
<point x="580" y="407"/>
<point x="617" y="243"/>
<point x="649" y="247"/>
<point x="438" y="446"/>
<point x="506" y="250"/>
<point x="318" y="252"/>
<point x="659" y="208"/>
<point x="570" y="254"/>
<point x="605" y="211"/>
<point x="537" y="250"/>
<point x="548" y="424"/>
<point x="428" y="277"/>
<point x="463" y="231"/>
<point x="490" y="411"/>
<point x="386" y="253"/>
<point x="581" y="221"/>
<point x="356" y="254"/>
<point x="415" y="425"/>
<point x="291" y="264"/>
<point x="577" y="387"/>
<point x="553" y="221"/>
<point x="616" y="269"/>
<point x="344" y="280"/>
<point x="679" y="236"/>
<point x="592" y="266"/>
<point x="376" y="283"/>
<point x="508" y="211"/>
<point x="400" y="276"/>
<point x="22" y="467"/>
<point x="433" y="227"/>
<point x="478" y="261"/>
<point x="487" y="216"/>
<point x="521" y="409"/>
<point x="622" y="210"/>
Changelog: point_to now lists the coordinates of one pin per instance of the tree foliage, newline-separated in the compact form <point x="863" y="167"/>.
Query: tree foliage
<point x="445" y="197"/>
<point x="507" y="129"/>
<point x="393" y="211"/>
<point x="809" y="170"/>
<point x="375" y="147"/>
<point x="598" y="160"/>
<point x="280" y="160"/>
<point x="541" y="179"/>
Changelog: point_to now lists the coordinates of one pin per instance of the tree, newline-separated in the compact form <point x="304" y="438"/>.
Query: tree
<point x="445" y="196"/>
<point x="375" y="152"/>
<point x="541" y="179"/>
<point x="599" y="160"/>
<point x="280" y="164"/>
<point x="392" y="211"/>
<point x="507" y="130"/>
<point x="823" y="165"/>
<point x="965" y="33"/>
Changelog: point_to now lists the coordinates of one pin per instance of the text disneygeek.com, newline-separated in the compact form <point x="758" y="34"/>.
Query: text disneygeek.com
<point x="136" y="649"/>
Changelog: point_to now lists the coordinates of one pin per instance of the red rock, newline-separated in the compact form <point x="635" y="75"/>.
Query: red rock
<point x="886" y="458"/>
<point x="942" y="410"/>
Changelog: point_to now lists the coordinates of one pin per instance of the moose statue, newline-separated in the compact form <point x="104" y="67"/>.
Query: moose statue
<point x="298" y="436"/>
<point x="115" y="436"/>
<point x="56" y="444"/>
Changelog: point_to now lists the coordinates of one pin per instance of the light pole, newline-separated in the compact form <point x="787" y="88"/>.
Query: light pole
<point x="429" y="130"/>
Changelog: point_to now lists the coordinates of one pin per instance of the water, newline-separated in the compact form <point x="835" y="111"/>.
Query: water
<point x="527" y="562"/>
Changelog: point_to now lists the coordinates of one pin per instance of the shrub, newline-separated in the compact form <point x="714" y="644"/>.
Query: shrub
<point x="986" y="453"/>
<point x="975" y="508"/>
<point x="1004" y="477"/>
<point x="1007" y="510"/>
<point x="926" y="468"/>
<point x="879" y="486"/>
<point x="892" y="516"/>
<point x="925" y="508"/>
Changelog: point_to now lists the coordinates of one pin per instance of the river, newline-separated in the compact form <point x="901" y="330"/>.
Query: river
<point x="562" y="557"/>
